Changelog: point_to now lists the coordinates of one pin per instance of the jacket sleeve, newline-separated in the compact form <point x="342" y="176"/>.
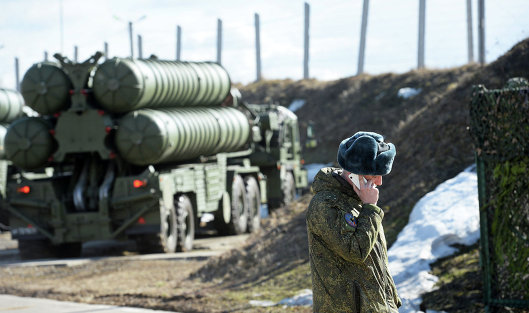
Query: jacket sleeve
<point x="326" y="221"/>
<point x="398" y="301"/>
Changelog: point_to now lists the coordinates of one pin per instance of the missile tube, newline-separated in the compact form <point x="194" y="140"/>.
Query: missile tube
<point x="11" y="103"/>
<point x="45" y="88"/>
<point x="172" y="135"/>
<point x="124" y="85"/>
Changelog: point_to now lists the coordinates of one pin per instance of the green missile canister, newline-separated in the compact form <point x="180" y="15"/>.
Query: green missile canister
<point x="45" y="88"/>
<point x="124" y="85"/>
<point x="172" y="135"/>
<point x="11" y="103"/>
<point x="28" y="142"/>
<point x="3" y="131"/>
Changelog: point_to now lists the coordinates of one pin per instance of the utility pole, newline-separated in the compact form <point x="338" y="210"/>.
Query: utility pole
<point x="422" y="19"/>
<point x="45" y="55"/>
<point x="131" y="33"/>
<point x="363" y="31"/>
<point x="470" y="38"/>
<point x="75" y="53"/>
<point x="106" y="50"/>
<point x="178" y="42"/>
<point x="481" y="31"/>
<point x="131" y="43"/>
<point x="306" y="41"/>
<point x="140" y="47"/>
<point x="17" y="75"/>
<point x="219" y="41"/>
<point x="257" y="47"/>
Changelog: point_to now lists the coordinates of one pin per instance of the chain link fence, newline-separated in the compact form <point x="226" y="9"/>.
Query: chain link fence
<point x="499" y="125"/>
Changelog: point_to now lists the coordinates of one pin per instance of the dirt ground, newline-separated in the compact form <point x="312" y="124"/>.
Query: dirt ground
<point x="218" y="285"/>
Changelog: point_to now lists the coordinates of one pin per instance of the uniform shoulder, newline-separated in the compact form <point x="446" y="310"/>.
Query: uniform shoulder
<point x="326" y="195"/>
<point x="324" y="198"/>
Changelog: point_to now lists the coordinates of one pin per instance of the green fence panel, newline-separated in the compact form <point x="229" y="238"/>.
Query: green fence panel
<point x="499" y="126"/>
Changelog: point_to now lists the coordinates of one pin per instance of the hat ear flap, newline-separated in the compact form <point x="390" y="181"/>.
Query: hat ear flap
<point x="384" y="160"/>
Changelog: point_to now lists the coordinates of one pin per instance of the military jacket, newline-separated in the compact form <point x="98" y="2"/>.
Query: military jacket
<point x="347" y="250"/>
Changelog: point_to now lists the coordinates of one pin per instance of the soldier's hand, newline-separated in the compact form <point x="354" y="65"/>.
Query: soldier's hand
<point x="368" y="192"/>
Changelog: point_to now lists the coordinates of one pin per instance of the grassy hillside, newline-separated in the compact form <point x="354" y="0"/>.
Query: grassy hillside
<point x="429" y="130"/>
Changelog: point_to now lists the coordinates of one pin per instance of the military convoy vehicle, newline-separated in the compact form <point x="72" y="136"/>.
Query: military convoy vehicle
<point x="144" y="150"/>
<point x="11" y="104"/>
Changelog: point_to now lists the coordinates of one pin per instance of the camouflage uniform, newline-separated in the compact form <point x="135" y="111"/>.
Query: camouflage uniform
<point x="347" y="246"/>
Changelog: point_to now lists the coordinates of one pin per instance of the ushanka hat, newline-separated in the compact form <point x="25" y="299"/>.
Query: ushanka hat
<point x="366" y="153"/>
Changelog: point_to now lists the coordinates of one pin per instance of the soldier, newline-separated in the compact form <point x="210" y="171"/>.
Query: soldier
<point x="347" y="246"/>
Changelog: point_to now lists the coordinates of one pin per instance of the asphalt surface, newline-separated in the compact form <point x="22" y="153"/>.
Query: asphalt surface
<point x="203" y="248"/>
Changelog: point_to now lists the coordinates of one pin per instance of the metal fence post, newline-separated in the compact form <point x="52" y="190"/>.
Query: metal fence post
<point x="178" y="42"/>
<point x="422" y="27"/>
<point x="306" y="42"/>
<point x="219" y="41"/>
<point x="470" y="37"/>
<point x="257" y="48"/>
<point x="363" y="31"/>
<point x="140" y="47"/>
<point x="481" y="30"/>
<point x="17" y="75"/>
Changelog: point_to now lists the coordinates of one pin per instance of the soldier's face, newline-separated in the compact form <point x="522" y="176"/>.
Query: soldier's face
<point x="377" y="180"/>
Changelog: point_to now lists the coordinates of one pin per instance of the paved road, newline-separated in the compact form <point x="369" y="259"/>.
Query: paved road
<point x="203" y="249"/>
<point x="14" y="304"/>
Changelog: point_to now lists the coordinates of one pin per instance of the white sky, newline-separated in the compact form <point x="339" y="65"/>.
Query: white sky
<point x="30" y="27"/>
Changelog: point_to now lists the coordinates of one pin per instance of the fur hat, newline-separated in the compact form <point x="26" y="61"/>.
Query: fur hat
<point x="366" y="153"/>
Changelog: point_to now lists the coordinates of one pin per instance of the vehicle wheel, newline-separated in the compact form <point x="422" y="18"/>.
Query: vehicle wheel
<point x="4" y="218"/>
<point x="288" y="187"/>
<point x="238" y="219"/>
<point x="35" y="249"/>
<point x="239" y="207"/>
<point x="168" y="229"/>
<point x="165" y="240"/>
<point x="254" y="204"/>
<point x="185" y="220"/>
<point x="68" y="250"/>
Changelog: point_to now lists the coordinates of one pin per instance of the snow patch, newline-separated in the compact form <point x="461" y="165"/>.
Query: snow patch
<point x="207" y="217"/>
<point x="302" y="298"/>
<point x="443" y="217"/>
<point x="262" y="303"/>
<point x="296" y="105"/>
<point x="408" y="92"/>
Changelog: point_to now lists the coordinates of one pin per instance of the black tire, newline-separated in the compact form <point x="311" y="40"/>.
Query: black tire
<point x="254" y="204"/>
<point x="238" y="222"/>
<point x="288" y="187"/>
<point x="44" y="249"/>
<point x="166" y="240"/>
<point x="35" y="249"/>
<point x="69" y="250"/>
<point x="4" y="218"/>
<point x="169" y="229"/>
<point x="185" y="220"/>
<point x="239" y="207"/>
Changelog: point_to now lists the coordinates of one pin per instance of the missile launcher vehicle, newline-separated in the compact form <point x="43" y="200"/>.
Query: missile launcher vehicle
<point x="144" y="150"/>
<point x="11" y="104"/>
